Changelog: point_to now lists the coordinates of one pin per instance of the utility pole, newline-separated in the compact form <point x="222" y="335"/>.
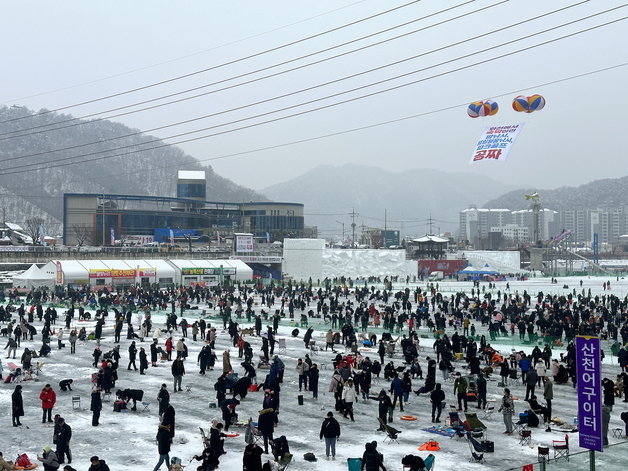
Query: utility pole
<point x="430" y="222"/>
<point x="353" y="216"/>
<point x="103" y="219"/>
<point x="385" y="227"/>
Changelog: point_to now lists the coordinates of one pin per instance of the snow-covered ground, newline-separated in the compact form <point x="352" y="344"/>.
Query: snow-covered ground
<point x="127" y="440"/>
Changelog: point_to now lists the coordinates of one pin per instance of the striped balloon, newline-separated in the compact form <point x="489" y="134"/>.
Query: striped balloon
<point x="520" y="104"/>
<point x="490" y="108"/>
<point x="482" y="108"/>
<point x="536" y="103"/>
<point x="474" y="109"/>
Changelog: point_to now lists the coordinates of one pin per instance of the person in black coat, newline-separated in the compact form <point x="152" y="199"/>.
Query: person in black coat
<point x="216" y="440"/>
<point x="314" y="380"/>
<point x="252" y="459"/>
<point x="250" y="371"/>
<point x="95" y="406"/>
<point x="330" y="431"/>
<point x="128" y="395"/>
<point x="143" y="361"/>
<point x="227" y="407"/>
<point x="384" y="405"/>
<point x="437" y="397"/>
<point x="63" y="437"/>
<point x="241" y="387"/>
<point x="132" y="355"/>
<point x="168" y="419"/>
<point x="153" y="353"/>
<point x="204" y="356"/>
<point x="266" y="425"/>
<point x="163" y="445"/>
<point x="163" y="398"/>
<point x="209" y="460"/>
<point x="372" y="460"/>
<point x="308" y="336"/>
<point x="608" y="388"/>
<point x="17" y="405"/>
<point x="280" y="447"/>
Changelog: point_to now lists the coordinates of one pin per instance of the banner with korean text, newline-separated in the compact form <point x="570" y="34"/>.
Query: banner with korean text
<point x="244" y="242"/>
<point x="495" y="142"/>
<point x="589" y="381"/>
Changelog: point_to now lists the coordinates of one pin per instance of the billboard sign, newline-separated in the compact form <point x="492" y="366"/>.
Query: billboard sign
<point x="589" y="381"/>
<point x="244" y="242"/>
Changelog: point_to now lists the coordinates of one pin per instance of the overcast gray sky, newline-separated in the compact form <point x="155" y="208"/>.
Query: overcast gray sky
<point x="55" y="54"/>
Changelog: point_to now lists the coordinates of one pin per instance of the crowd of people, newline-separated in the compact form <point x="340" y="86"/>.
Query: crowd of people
<point x="371" y="332"/>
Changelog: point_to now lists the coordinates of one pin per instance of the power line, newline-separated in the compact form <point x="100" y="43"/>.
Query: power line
<point x="187" y="56"/>
<point x="27" y="132"/>
<point x="293" y="93"/>
<point x="224" y="64"/>
<point x="327" y="97"/>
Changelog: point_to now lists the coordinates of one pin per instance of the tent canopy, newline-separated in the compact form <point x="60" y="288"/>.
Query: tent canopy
<point x="34" y="278"/>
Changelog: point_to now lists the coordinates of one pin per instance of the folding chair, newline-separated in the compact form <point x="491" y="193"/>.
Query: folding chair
<point x="76" y="402"/>
<point x="477" y="450"/>
<point x="252" y="434"/>
<point x="354" y="464"/>
<point x="543" y="454"/>
<point x="146" y="407"/>
<point x="488" y="412"/>
<point x="561" y="448"/>
<point x="284" y="462"/>
<point x="106" y="397"/>
<point x="525" y="437"/>
<point x="391" y="432"/>
<point x="314" y="348"/>
<point x="474" y="422"/>
<point x="282" y="345"/>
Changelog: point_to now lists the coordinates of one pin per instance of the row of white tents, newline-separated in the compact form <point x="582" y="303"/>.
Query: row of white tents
<point x="112" y="273"/>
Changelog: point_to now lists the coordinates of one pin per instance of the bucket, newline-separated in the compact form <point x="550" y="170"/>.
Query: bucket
<point x="300" y="399"/>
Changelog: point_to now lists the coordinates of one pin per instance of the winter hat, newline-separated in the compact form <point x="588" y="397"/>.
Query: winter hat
<point x="47" y="448"/>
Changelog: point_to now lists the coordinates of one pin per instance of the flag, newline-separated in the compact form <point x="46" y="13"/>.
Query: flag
<point x="218" y="236"/>
<point x="112" y="233"/>
<point x="171" y="237"/>
<point x="268" y="237"/>
<point x="42" y="234"/>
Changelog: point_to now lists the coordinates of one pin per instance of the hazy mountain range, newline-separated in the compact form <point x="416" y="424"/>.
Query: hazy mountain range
<point x="409" y="197"/>
<point x="46" y="154"/>
<point x="34" y="186"/>
<point x="598" y="194"/>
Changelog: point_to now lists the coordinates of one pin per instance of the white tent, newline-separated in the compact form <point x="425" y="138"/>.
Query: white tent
<point x="33" y="278"/>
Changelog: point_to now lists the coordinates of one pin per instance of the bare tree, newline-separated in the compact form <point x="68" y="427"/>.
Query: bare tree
<point x="33" y="228"/>
<point x="81" y="233"/>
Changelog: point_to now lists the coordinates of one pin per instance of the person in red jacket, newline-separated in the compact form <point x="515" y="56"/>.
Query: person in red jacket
<point x="48" y="398"/>
<point x="169" y="348"/>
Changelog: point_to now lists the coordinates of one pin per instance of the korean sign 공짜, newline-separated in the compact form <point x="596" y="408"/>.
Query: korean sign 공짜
<point x="495" y="143"/>
<point x="589" y="371"/>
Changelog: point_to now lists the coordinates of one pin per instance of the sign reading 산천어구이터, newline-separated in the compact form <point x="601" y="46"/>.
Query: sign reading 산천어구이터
<point x="589" y="381"/>
<point x="495" y="143"/>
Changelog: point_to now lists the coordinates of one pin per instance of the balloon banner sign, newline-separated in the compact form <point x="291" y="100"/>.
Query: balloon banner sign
<point x="495" y="143"/>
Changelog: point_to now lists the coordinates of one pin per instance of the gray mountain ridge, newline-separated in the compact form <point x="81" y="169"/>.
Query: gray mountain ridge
<point x="39" y="193"/>
<point x="598" y="194"/>
<point x="409" y="197"/>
